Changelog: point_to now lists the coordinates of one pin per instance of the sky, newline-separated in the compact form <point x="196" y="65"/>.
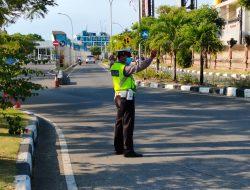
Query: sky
<point x="93" y="15"/>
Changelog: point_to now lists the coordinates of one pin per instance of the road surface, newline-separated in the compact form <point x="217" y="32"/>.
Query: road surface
<point x="189" y="141"/>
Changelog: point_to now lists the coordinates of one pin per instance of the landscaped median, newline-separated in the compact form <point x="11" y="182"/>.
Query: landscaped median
<point x="186" y="82"/>
<point x="228" y="91"/>
<point x="16" y="152"/>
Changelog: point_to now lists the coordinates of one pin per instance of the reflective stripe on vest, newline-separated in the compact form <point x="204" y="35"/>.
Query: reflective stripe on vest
<point x="121" y="82"/>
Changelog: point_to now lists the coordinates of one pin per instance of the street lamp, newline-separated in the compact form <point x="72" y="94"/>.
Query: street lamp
<point x="72" y="30"/>
<point x="119" y="25"/>
<point x="139" y="51"/>
<point x="72" y="35"/>
<point x="111" y="17"/>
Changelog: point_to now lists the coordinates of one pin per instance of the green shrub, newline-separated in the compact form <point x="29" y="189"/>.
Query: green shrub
<point x="147" y="74"/>
<point x="15" y="127"/>
<point x="240" y="83"/>
<point x="164" y="76"/>
<point x="184" y="58"/>
<point x="188" y="79"/>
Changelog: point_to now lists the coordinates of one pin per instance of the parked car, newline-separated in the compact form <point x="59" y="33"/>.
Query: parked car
<point x="90" y="59"/>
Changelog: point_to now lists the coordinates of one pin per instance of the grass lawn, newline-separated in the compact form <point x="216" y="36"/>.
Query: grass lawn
<point x="9" y="146"/>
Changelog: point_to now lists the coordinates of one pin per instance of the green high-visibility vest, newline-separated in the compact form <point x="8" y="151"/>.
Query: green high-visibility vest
<point x="121" y="82"/>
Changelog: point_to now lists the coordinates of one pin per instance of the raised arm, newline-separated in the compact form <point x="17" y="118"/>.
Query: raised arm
<point x="131" y="69"/>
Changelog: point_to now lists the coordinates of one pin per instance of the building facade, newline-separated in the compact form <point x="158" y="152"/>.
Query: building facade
<point x="237" y="20"/>
<point x="44" y="51"/>
<point x="89" y="39"/>
<point x="147" y="8"/>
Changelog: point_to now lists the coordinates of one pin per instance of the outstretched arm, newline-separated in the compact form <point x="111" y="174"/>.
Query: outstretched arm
<point x="131" y="69"/>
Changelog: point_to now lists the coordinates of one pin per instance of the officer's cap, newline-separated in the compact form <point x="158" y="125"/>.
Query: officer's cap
<point x="124" y="52"/>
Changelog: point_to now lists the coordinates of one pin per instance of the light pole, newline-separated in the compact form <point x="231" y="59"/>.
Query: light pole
<point x="119" y="25"/>
<point x="139" y="51"/>
<point x="72" y="29"/>
<point x="72" y="34"/>
<point x="111" y="17"/>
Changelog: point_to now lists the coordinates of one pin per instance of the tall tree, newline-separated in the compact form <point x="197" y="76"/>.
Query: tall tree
<point x="203" y="34"/>
<point x="166" y="31"/>
<point x="95" y="50"/>
<point x="10" y="10"/>
<point x="15" y="80"/>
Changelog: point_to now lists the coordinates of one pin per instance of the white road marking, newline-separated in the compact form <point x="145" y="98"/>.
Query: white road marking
<point x="67" y="167"/>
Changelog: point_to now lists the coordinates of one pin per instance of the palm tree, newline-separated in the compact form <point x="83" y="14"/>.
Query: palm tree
<point x="165" y="32"/>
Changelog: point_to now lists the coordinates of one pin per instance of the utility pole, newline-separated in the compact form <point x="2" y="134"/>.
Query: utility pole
<point x="72" y="35"/>
<point x="139" y="51"/>
<point x="241" y="24"/>
<point x="111" y="17"/>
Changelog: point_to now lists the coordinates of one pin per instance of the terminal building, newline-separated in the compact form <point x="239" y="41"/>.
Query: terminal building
<point x="237" y="20"/>
<point x="89" y="39"/>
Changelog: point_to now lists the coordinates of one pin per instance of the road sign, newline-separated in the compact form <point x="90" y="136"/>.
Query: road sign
<point x="62" y="43"/>
<point x="127" y="40"/>
<point x="145" y="34"/>
<point x="56" y="43"/>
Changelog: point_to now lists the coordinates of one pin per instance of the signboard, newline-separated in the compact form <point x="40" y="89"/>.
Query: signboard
<point x="62" y="43"/>
<point x="56" y="43"/>
<point x="145" y="34"/>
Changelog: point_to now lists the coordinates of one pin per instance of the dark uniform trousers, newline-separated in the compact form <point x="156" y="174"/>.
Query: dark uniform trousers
<point x="124" y="125"/>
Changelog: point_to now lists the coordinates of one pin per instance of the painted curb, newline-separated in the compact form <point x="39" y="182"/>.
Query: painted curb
<point x="22" y="182"/>
<point x="24" y="161"/>
<point x="185" y="88"/>
<point x="247" y="93"/>
<point x="227" y="91"/>
<point x="154" y="85"/>
<point x="231" y="91"/>
<point x="204" y="90"/>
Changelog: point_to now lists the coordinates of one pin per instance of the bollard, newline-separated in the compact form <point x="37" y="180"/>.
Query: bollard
<point x="56" y="82"/>
<point x="17" y="105"/>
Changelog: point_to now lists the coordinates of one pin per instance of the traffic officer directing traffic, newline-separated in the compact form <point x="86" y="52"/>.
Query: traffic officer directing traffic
<point x="125" y="88"/>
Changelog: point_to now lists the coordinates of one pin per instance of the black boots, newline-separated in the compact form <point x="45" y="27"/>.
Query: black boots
<point x="132" y="154"/>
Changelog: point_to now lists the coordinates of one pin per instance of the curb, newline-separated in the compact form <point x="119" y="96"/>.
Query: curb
<point x="227" y="91"/>
<point x="25" y="155"/>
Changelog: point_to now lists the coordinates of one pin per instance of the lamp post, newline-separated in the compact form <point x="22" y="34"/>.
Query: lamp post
<point x="139" y="50"/>
<point x="72" y="29"/>
<point x="119" y="25"/>
<point x="72" y="34"/>
<point x="111" y="17"/>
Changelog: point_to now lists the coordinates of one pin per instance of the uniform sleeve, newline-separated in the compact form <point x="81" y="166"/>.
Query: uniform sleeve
<point x="131" y="69"/>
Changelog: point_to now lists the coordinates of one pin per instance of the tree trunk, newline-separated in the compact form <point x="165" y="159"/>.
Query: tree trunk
<point x="157" y="64"/>
<point x="174" y="70"/>
<point x="201" y="68"/>
<point x="206" y="60"/>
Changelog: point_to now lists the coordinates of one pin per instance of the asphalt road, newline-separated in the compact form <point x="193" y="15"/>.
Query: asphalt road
<point x="189" y="141"/>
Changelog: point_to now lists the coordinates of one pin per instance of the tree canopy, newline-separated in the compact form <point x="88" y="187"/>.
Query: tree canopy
<point x="245" y="3"/>
<point x="95" y="50"/>
<point x="10" y="10"/>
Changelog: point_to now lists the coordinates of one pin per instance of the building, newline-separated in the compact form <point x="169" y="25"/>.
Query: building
<point x="237" y="20"/>
<point x="147" y="8"/>
<point x="44" y="51"/>
<point x="89" y="39"/>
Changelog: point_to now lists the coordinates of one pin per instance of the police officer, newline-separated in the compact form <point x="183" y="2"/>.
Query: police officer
<point x="125" y="87"/>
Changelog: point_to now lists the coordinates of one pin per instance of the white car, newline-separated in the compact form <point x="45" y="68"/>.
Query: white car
<point x="90" y="59"/>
